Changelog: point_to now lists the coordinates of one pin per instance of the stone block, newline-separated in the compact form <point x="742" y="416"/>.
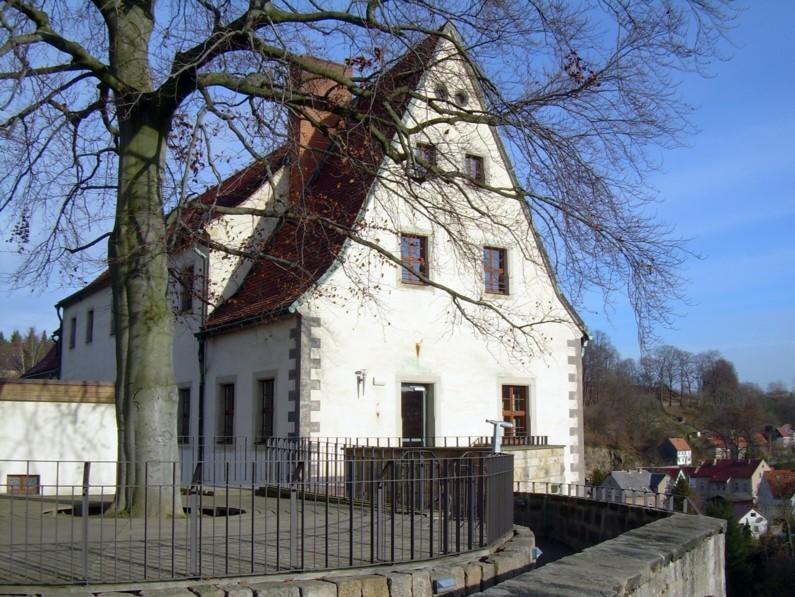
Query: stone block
<point x="487" y="574"/>
<point x="473" y="575"/>
<point x="508" y="564"/>
<point x="421" y="583"/>
<point x="275" y="589"/>
<point x="347" y="586"/>
<point x="316" y="588"/>
<point x="170" y="592"/>
<point x="207" y="591"/>
<point x="456" y="573"/>
<point x="66" y="592"/>
<point x="374" y="586"/>
<point x="114" y="594"/>
<point x="399" y="584"/>
<point x="232" y="590"/>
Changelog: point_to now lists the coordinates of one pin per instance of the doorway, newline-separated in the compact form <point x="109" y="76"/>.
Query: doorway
<point x="416" y="413"/>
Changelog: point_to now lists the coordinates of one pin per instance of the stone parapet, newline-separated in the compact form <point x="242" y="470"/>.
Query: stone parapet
<point x="677" y="555"/>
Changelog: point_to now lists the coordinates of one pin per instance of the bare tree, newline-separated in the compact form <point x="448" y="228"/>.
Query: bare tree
<point x="115" y="111"/>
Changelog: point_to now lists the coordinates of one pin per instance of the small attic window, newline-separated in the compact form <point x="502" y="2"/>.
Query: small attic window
<point x="440" y="91"/>
<point x="461" y="98"/>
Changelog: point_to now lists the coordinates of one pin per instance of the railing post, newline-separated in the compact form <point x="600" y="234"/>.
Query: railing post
<point x="84" y="516"/>
<point x="194" y="493"/>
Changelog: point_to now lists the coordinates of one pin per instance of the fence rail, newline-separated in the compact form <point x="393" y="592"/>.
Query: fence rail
<point x="646" y="499"/>
<point x="298" y="506"/>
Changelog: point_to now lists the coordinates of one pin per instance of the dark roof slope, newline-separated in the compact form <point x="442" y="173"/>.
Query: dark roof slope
<point x="781" y="482"/>
<point x="301" y="250"/>
<point x="230" y="193"/>
<point x="723" y="470"/>
<point x="98" y="283"/>
<point x="49" y="365"/>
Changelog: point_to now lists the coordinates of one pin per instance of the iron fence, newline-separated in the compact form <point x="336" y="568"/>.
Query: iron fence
<point x="297" y="505"/>
<point x="646" y="499"/>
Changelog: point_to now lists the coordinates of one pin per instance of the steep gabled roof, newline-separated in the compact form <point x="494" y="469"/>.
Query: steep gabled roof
<point x="302" y="249"/>
<point x="722" y="470"/>
<point x="230" y="193"/>
<point x="781" y="483"/>
<point x="679" y="444"/>
<point x="638" y="480"/>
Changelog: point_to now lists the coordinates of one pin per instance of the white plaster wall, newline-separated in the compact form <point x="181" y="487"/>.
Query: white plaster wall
<point x="243" y="358"/>
<point x="405" y="333"/>
<point x="69" y="432"/>
<point x="239" y="232"/>
<point x="95" y="361"/>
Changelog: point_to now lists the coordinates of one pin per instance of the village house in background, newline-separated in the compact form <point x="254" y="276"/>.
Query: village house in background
<point x="731" y="480"/>
<point x="638" y="487"/>
<point x="677" y="451"/>
<point x="264" y="350"/>
<point x="745" y="513"/>
<point x="777" y="494"/>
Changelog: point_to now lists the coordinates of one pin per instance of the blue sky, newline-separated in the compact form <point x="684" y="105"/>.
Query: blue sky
<point x="730" y="191"/>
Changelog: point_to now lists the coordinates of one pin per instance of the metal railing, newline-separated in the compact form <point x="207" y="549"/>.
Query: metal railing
<point x="299" y="506"/>
<point x="646" y="499"/>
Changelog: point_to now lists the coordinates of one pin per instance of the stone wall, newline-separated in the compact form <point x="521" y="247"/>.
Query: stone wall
<point x="453" y="576"/>
<point x="577" y="522"/>
<point x="677" y="555"/>
<point x="536" y="464"/>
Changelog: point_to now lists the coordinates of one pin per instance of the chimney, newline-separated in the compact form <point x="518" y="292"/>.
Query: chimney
<point x="308" y="143"/>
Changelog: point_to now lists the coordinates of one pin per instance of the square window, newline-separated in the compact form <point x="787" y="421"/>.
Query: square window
<point x="495" y="270"/>
<point x="23" y="484"/>
<point x="425" y="153"/>
<point x="90" y="327"/>
<point x="474" y="168"/>
<point x="72" y="332"/>
<point x="514" y="409"/>
<point x="183" y="415"/>
<point x="265" y="394"/>
<point x="414" y="255"/>
<point x="226" y="414"/>
<point x="186" y="290"/>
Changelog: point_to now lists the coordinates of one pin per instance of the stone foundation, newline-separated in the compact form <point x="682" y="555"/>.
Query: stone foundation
<point x="454" y="576"/>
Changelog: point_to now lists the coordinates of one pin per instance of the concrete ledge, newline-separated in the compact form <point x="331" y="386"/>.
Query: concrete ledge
<point x="678" y="555"/>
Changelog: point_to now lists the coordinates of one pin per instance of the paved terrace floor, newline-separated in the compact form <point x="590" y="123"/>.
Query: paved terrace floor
<point x="41" y="542"/>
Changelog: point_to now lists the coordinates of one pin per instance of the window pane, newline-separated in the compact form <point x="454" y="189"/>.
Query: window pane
<point x="226" y="420"/>
<point x="90" y="327"/>
<point x="474" y="168"/>
<point x="413" y="253"/>
<point x="72" y="332"/>
<point x="514" y="409"/>
<point x="183" y="415"/>
<point x="495" y="270"/>
<point x="186" y="290"/>
<point x="265" y="408"/>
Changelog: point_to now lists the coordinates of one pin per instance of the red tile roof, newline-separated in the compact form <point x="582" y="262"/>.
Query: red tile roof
<point x="781" y="483"/>
<point x="679" y="444"/>
<point x="302" y="249"/>
<point x="719" y="442"/>
<point x="723" y="470"/>
<point x="229" y="193"/>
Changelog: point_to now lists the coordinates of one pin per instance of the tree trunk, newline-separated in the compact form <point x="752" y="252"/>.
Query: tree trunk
<point x="146" y="395"/>
<point x="146" y="392"/>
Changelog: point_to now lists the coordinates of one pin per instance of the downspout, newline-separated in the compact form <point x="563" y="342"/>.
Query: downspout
<point x="202" y="353"/>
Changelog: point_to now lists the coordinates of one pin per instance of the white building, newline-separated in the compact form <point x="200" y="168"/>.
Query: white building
<point x="752" y="518"/>
<point x="279" y="350"/>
